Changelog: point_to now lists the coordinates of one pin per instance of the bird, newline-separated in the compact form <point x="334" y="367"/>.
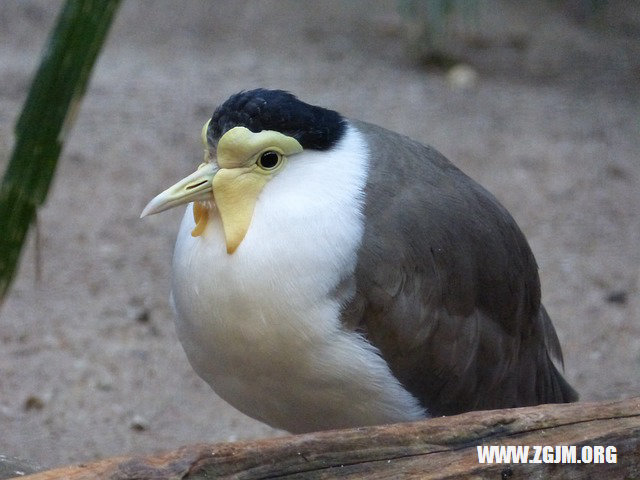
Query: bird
<point x="329" y="273"/>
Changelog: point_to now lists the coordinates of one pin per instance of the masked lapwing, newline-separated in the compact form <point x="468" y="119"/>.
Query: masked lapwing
<point x="329" y="273"/>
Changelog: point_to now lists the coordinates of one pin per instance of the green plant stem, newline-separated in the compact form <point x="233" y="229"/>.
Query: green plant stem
<point x="46" y="118"/>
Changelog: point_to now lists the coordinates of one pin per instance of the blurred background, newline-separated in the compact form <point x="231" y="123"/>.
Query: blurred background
<point x="538" y="101"/>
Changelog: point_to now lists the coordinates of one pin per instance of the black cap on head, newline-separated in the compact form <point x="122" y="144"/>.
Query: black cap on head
<point x="314" y="127"/>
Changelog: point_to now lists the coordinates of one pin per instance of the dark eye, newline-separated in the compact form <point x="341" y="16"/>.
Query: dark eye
<point x="269" y="160"/>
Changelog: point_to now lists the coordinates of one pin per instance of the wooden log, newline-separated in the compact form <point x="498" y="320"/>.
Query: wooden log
<point x="438" y="448"/>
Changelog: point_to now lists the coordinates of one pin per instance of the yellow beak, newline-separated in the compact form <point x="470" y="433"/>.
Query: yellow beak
<point x="196" y="187"/>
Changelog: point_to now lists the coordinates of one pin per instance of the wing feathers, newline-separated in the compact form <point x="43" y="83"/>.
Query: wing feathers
<point x="447" y="288"/>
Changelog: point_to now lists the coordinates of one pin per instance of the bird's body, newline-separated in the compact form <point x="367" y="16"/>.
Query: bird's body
<point x="273" y="345"/>
<point x="373" y="282"/>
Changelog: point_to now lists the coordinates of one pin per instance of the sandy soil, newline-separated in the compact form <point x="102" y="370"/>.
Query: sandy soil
<point x="89" y="361"/>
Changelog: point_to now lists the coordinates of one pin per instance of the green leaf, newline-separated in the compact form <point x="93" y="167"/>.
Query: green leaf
<point x="46" y="118"/>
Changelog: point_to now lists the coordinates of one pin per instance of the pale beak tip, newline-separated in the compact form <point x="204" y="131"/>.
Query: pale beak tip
<point x="145" y="212"/>
<point x="150" y="209"/>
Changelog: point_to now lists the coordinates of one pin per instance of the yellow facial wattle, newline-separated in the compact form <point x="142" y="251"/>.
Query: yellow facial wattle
<point x="201" y="217"/>
<point x="242" y="176"/>
<point x="244" y="163"/>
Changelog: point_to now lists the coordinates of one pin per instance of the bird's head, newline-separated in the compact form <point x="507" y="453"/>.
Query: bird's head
<point x="248" y="140"/>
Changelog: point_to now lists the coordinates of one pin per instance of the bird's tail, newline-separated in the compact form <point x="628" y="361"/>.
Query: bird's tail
<point x="550" y="385"/>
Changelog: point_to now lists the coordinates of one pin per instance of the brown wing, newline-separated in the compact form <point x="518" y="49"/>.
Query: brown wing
<point x="447" y="287"/>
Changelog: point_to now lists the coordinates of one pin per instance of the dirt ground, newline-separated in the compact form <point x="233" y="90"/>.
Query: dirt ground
<point x="90" y="365"/>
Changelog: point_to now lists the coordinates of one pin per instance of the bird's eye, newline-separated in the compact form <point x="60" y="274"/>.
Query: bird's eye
<point x="269" y="160"/>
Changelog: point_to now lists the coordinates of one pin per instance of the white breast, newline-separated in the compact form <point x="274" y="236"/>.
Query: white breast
<point x="262" y="326"/>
